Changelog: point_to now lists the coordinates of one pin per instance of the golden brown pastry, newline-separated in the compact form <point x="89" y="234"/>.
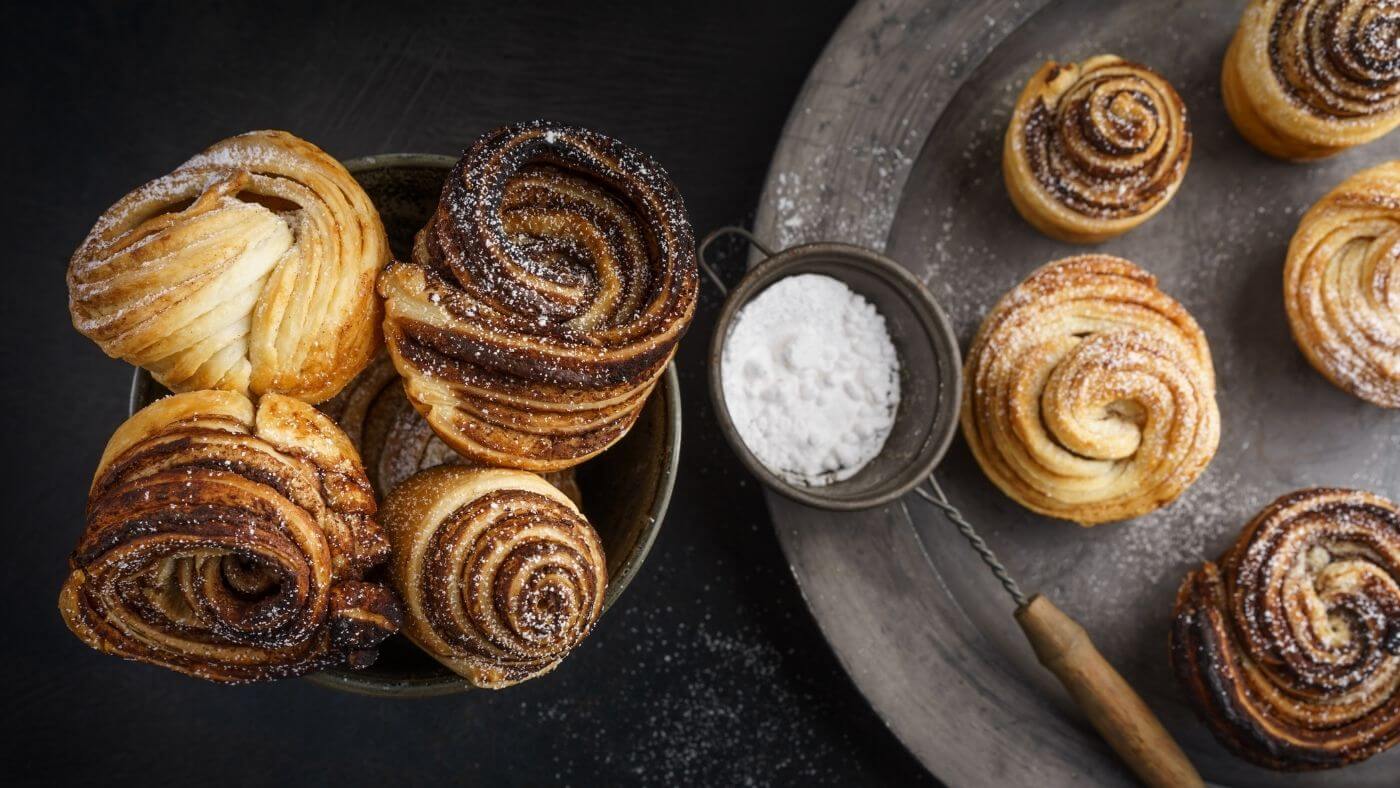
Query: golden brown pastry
<point x="229" y="541"/>
<point x="544" y="298"/>
<point x="250" y="268"/>
<point x="1095" y="148"/>
<point x="500" y="574"/>
<point x="1304" y="79"/>
<point x="1289" y="646"/>
<point x="1341" y="285"/>
<point x="1090" y="394"/>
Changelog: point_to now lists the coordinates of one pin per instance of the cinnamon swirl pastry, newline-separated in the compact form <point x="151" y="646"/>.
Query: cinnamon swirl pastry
<point x="1289" y="646"/>
<point x="1341" y="285"/>
<point x="229" y="541"/>
<point x="1095" y="148"/>
<point x="250" y="268"/>
<point x="1090" y="395"/>
<point x="544" y="298"/>
<point x="1304" y="79"/>
<point x="500" y="575"/>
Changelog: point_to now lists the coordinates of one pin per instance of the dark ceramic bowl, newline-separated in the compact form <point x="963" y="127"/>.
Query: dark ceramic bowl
<point x="625" y="490"/>
<point x="930" y="371"/>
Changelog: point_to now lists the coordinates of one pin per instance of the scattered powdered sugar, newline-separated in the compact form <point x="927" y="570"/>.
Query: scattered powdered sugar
<point x="1160" y="547"/>
<point x="801" y="197"/>
<point x="811" y="379"/>
<point x="708" y="704"/>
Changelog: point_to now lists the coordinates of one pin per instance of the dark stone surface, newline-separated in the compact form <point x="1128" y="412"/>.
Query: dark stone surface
<point x="710" y="670"/>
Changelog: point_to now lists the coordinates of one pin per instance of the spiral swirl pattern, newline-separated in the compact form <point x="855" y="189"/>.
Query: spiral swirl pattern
<point x="1304" y="79"/>
<point x="1289" y="646"/>
<point x="1095" y="148"/>
<point x="544" y="298"/>
<point x="1341" y="285"/>
<point x="250" y="268"/>
<point x="1091" y="395"/>
<point x="500" y="573"/>
<point x="229" y="542"/>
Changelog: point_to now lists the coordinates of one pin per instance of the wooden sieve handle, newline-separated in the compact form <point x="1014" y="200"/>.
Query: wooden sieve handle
<point x="1111" y="705"/>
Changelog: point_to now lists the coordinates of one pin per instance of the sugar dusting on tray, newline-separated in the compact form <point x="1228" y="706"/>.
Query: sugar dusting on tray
<point x="811" y="379"/>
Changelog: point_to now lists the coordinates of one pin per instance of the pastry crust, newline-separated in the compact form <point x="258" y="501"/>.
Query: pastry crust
<point x="1341" y="285"/>
<point x="1305" y="79"/>
<point x="1090" y="394"/>
<point x="1095" y="148"/>
<point x="250" y="268"/>
<point x="229" y="541"/>
<point x="544" y="298"/>
<point x="500" y="574"/>
<point x="1286" y="646"/>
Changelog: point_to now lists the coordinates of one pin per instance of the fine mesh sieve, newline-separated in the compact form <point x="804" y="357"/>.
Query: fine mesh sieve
<point x="930" y="368"/>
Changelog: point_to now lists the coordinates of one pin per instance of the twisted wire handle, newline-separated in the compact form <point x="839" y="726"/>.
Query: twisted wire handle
<point x="940" y="501"/>
<point x="1115" y="710"/>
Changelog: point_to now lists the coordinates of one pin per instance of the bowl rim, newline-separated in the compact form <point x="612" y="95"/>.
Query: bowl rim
<point x="387" y="161"/>
<point x="448" y="683"/>
<point x="939" y="328"/>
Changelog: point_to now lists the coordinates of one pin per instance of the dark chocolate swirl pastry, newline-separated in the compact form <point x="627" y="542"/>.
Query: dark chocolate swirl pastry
<point x="229" y="542"/>
<point x="500" y="574"/>
<point x="1095" y="148"/>
<point x="1289" y="646"/>
<point x="544" y="298"/>
<point x="1304" y="79"/>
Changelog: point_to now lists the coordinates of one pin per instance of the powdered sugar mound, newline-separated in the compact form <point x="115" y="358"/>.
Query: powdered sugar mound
<point x="811" y="379"/>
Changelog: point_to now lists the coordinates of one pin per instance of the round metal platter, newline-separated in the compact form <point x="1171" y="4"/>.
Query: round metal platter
<point x="895" y="143"/>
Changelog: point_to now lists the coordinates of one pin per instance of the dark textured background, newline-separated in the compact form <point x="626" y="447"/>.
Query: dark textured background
<point x="710" y="670"/>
